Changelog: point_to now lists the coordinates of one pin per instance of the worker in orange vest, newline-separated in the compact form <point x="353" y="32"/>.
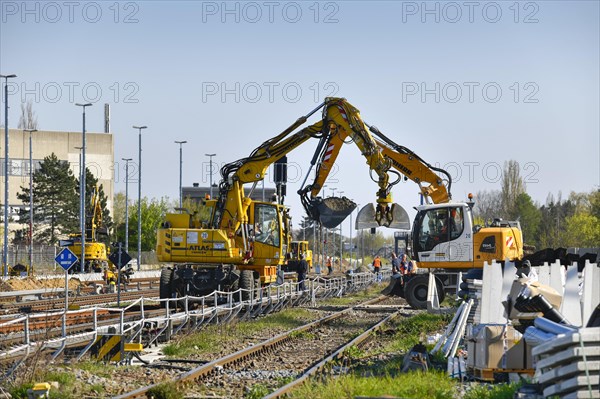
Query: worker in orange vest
<point x="377" y="267"/>
<point x="329" y="265"/>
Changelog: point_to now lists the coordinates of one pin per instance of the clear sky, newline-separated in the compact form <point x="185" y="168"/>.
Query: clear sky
<point x="466" y="85"/>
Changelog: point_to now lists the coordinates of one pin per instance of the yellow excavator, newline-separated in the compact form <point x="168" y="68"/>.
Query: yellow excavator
<point x="96" y="254"/>
<point x="239" y="242"/>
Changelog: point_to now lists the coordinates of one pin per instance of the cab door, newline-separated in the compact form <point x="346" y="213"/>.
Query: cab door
<point x="440" y="234"/>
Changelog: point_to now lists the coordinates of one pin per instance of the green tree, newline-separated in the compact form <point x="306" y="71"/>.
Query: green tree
<point x="512" y="187"/>
<point x="581" y="230"/>
<point x="581" y="226"/>
<point x="529" y="216"/>
<point x="56" y="201"/>
<point x="153" y="214"/>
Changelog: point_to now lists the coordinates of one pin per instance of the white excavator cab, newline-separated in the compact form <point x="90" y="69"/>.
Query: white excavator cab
<point x="444" y="234"/>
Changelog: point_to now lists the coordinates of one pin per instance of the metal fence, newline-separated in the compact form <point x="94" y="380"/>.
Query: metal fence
<point x="43" y="257"/>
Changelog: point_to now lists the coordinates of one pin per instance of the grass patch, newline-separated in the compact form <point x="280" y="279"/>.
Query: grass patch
<point x="20" y="391"/>
<point x="100" y="369"/>
<point x="415" y="329"/>
<point x="488" y="391"/>
<point x="355" y="297"/>
<point x="65" y="379"/>
<point x="204" y="341"/>
<point x="166" y="390"/>
<point x="408" y="385"/>
<point x="257" y="391"/>
<point x="354" y="352"/>
<point x="303" y="335"/>
<point x="214" y="337"/>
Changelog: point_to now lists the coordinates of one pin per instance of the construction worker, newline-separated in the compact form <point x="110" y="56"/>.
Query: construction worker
<point x="395" y="264"/>
<point x="329" y="265"/>
<point x="110" y="279"/>
<point x="377" y="267"/>
<point x="302" y="270"/>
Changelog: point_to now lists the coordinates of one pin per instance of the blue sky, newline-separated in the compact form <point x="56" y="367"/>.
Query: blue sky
<point x="467" y="86"/>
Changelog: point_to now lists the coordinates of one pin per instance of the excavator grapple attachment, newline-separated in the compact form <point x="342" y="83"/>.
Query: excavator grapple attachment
<point x="392" y="216"/>
<point x="333" y="210"/>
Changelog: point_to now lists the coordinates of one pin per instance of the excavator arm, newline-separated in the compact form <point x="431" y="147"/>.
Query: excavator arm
<point x="340" y="124"/>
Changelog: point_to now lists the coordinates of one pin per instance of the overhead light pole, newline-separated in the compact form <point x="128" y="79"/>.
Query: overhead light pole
<point x="82" y="190"/>
<point x="30" y="200"/>
<point x="5" y="248"/>
<point x="210" y="156"/>
<point x="126" y="202"/>
<point x="139" y="246"/>
<point x="181" y="143"/>
<point x="81" y="203"/>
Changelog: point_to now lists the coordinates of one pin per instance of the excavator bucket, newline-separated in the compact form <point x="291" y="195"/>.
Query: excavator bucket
<point x="333" y="210"/>
<point x="394" y="217"/>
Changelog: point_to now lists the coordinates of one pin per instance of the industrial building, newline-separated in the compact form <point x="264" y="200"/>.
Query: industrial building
<point x="99" y="159"/>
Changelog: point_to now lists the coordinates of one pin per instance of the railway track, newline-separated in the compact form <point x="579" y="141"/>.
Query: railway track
<point x="295" y="354"/>
<point x="47" y="322"/>
<point x="76" y="333"/>
<point x="48" y="305"/>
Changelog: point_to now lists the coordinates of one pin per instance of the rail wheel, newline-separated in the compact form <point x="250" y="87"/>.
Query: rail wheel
<point x="415" y="291"/>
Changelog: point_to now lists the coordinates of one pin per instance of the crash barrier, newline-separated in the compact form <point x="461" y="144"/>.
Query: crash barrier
<point x="137" y="325"/>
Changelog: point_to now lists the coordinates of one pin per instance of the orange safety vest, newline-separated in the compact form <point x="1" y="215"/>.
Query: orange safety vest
<point x="377" y="263"/>
<point x="328" y="262"/>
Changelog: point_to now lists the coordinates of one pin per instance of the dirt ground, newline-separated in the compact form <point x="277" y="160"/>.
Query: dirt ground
<point x="32" y="283"/>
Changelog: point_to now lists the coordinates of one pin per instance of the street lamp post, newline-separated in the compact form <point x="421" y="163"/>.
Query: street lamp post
<point x="126" y="202"/>
<point x="82" y="190"/>
<point x="139" y="246"/>
<point x="5" y="248"/>
<point x="30" y="200"/>
<point x="81" y="204"/>
<point x="181" y="143"/>
<point x="210" y="156"/>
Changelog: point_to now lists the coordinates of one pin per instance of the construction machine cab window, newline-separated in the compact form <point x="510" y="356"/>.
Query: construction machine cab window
<point x="439" y="225"/>
<point x="266" y="225"/>
<point x="204" y="214"/>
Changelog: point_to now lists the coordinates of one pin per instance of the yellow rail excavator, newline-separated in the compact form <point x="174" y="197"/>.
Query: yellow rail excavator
<point x="239" y="242"/>
<point x="96" y="253"/>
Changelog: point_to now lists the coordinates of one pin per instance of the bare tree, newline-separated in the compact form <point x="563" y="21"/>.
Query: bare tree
<point x="512" y="187"/>
<point x="488" y="205"/>
<point x="28" y="119"/>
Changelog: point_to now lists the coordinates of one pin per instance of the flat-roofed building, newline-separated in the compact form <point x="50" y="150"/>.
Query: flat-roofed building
<point x="99" y="159"/>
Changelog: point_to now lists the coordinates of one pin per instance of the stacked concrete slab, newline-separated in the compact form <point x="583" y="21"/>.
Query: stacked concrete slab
<point x="569" y="365"/>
